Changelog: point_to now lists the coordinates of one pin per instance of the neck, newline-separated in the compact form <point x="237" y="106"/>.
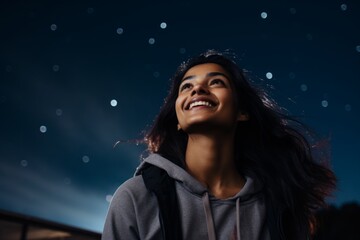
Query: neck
<point x="210" y="159"/>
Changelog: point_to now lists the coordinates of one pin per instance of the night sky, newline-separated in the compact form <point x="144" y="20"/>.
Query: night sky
<point x="78" y="76"/>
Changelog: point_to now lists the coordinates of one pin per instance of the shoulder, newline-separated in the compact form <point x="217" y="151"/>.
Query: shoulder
<point x="130" y="209"/>
<point x="133" y="190"/>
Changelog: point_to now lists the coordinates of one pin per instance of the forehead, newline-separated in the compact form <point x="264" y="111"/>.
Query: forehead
<point x="205" y="68"/>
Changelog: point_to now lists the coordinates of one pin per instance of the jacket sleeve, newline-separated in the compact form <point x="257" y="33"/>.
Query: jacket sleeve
<point x="121" y="219"/>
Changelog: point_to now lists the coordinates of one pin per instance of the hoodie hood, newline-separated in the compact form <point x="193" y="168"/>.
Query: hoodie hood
<point x="252" y="185"/>
<point x="175" y="172"/>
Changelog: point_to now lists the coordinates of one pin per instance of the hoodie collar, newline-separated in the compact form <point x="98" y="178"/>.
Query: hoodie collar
<point x="252" y="185"/>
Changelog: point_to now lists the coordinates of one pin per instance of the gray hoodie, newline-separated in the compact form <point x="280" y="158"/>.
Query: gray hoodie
<point x="134" y="211"/>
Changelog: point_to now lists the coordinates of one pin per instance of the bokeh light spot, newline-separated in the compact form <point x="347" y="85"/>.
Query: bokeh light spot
<point x="85" y="159"/>
<point x="90" y="10"/>
<point x="156" y="74"/>
<point x="119" y="30"/>
<point x="292" y="10"/>
<point x="358" y="48"/>
<point x="269" y="75"/>
<point x="151" y="41"/>
<point x="67" y="181"/>
<point x="264" y="15"/>
<point x="343" y="7"/>
<point x="163" y="25"/>
<point x="348" y="107"/>
<point x="303" y="87"/>
<point x="53" y="27"/>
<point x="113" y="103"/>
<point x="292" y="75"/>
<point x="108" y="198"/>
<point x="55" y="68"/>
<point x="43" y="129"/>
<point x="309" y="36"/>
<point x="59" y="112"/>
<point x="24" y="163"/>
<point x="324" y="103"/>
<point x="182" y="50"/>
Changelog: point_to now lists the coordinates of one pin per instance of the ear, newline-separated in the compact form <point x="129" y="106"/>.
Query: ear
<point x="178" y="127"/>
<point x="243" y="116"/>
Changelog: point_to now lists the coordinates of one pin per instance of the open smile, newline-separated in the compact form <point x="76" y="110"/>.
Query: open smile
<point x="199" y="103"/>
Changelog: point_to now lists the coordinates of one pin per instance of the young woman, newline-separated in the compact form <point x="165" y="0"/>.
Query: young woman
<point x="224" y="163"/>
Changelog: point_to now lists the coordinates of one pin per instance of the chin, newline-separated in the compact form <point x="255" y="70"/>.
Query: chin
<point x="207" y="127"/>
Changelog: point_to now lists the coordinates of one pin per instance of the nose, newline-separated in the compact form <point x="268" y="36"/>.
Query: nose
<point x="199" y="89"/>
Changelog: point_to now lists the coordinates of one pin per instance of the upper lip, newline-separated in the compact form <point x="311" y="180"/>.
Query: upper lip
<point x="196" y="99"/>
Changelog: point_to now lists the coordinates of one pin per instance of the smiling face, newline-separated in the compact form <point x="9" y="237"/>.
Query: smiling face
<point x="206" y="99"/>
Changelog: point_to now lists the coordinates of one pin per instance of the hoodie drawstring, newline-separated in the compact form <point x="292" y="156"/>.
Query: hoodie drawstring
<point x="210" y="221"/>
<point x="238" y="218"/>
<point x="209" y="218"/>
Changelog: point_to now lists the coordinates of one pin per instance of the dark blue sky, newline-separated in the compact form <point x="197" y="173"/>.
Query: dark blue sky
<point x="63" y="62"/>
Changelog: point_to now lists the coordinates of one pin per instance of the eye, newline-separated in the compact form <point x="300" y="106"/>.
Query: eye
<point x="217" y="81"/>
<point x="185" y="86"/>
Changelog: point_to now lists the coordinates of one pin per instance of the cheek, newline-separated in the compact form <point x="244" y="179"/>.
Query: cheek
<point x="178" y="106"/>
<point x="229" y="102"/>
<point x="226" y="97"/>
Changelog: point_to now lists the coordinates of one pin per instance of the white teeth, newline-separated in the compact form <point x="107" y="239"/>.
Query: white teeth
<point x="200" y="103"/>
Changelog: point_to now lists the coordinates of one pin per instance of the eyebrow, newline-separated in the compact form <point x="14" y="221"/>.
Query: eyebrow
<point x="210" y="74"/>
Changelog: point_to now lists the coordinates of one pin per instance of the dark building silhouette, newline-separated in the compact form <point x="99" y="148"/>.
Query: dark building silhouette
<point x="15" y="226"/>
<point x="339" y="223"/>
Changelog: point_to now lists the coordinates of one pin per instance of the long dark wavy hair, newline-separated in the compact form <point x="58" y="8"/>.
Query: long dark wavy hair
<point x="270" y="144"/>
